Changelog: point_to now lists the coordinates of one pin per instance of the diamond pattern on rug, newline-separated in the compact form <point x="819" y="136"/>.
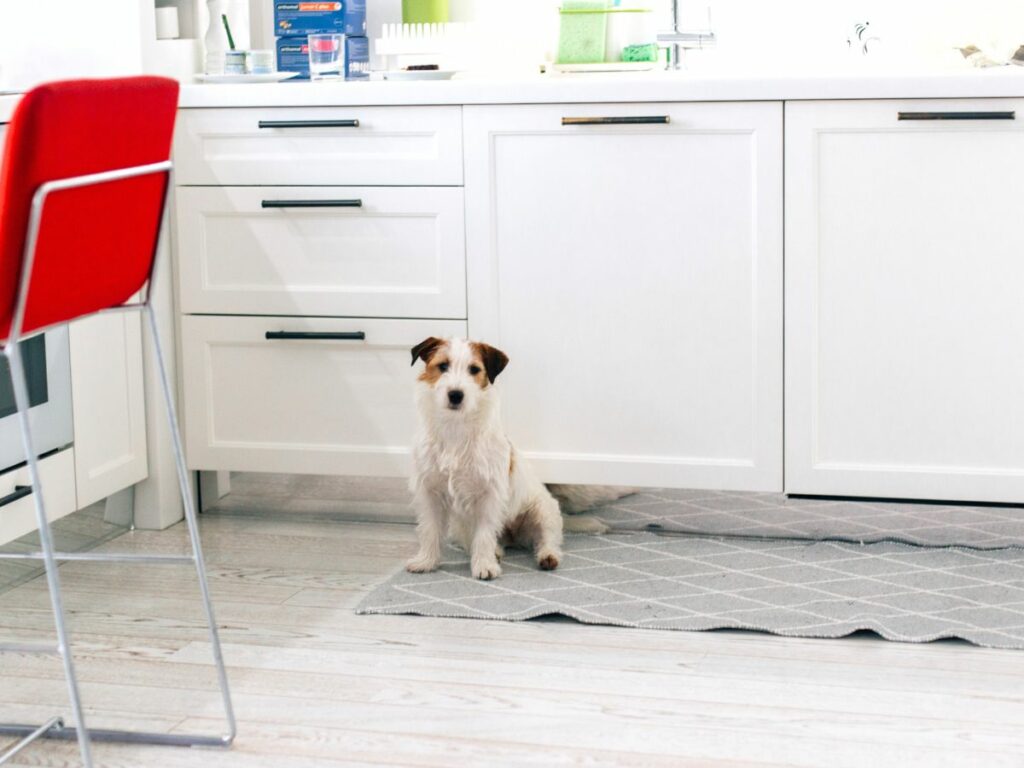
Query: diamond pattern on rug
<point x="775" y="515"/>
<point x="793" y="588"/>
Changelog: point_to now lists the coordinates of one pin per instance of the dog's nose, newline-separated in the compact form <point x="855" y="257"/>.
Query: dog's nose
<point x="455" y="396"/>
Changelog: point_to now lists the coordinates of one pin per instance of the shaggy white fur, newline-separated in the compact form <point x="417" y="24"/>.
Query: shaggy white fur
<point x="469" y="481"/>
<point x="581" y="498"/>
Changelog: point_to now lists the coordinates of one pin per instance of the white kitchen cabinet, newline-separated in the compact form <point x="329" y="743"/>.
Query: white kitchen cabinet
<point x="18" y="515"/>
<point x="322" y="251"/>
<point x="108" y="404"/>
<point x="274" y="394"/>
<point x="904" y="318"/>
<point x="633" y="274"/>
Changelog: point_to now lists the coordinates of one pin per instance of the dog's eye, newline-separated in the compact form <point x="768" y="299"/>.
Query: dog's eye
<point x="442" y="367"/>
<point x="474" y="370"/>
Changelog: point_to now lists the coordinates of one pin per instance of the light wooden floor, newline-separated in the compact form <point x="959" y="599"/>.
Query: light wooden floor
<point x="315" y="685"/>
<point x="79" y="532"/>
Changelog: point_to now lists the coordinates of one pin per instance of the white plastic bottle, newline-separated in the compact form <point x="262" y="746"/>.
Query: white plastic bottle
<point x="215" y="40"/>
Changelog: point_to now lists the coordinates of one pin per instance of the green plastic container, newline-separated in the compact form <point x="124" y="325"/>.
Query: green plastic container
<point x="581" y="31"/>
<point x="424" y="11"/>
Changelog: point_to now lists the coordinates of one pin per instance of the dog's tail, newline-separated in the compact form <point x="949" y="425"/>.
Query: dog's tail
<point x="584" y="524"/>
<point x="573" y="499"/>
<point x="580" y="498"/>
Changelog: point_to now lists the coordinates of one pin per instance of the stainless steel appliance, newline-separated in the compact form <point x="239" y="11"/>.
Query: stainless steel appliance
<point x="48" y="374"/>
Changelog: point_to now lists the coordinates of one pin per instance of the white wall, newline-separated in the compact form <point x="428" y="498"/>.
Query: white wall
<point x="55" y="39"/>
<point x="48" y="39"/>
<point x="755" y="33"/>
<point x="809" y="32"/>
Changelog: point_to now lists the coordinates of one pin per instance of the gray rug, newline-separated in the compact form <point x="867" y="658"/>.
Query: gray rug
<point x="726" y="513"/>
<point x="795" y="588"/>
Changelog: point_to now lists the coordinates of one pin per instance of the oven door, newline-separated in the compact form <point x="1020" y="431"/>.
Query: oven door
<point x="48" y="373"/>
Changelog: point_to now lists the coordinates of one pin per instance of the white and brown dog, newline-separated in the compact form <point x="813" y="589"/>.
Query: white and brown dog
<point x="468" y="479"/>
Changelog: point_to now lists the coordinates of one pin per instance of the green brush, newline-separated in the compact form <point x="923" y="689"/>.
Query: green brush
<point x="227" y="28"/>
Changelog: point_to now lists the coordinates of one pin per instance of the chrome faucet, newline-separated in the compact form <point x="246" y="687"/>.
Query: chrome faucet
<point x="679" y="39"/>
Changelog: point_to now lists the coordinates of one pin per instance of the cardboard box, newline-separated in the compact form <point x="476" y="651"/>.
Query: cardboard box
<point x="346" y="17"/>
<point x="293" y="56"/>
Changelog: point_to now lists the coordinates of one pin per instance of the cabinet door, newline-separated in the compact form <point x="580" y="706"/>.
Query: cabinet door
<point x="633" y="274"/>
<point x="904" y="319"/>
<point x="109" y="407"/>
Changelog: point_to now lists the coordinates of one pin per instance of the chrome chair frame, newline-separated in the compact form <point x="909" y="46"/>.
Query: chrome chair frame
<point x="55" y="728"/>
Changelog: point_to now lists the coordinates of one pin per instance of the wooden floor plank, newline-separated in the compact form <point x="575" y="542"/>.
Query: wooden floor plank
<point x="318" y="686"/>
<point x="629" y="728"/>
<point x="451" y="691"/>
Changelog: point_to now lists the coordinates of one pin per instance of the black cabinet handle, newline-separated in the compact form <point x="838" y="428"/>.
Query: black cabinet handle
<point x="318" y="335"/>
<point x="309" y="123"/>
<point x="956" y="116"/>
<point x="354" y="203"/>
<point x="622" y="120"/>
<point x="19" y="492"/>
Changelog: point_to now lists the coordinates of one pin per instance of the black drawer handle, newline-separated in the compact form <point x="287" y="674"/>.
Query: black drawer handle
<point x="309" y="123"/>
<point x="354" y="203"/>
<point x="19" y="492"/>
<point x="956" y="116"/>
<point x="622" y="120"/>
<point x="318" y="335"/>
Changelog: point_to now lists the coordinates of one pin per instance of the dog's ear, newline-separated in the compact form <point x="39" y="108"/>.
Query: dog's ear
<point x="425" y="349"/>
<point x="494" y="360"/>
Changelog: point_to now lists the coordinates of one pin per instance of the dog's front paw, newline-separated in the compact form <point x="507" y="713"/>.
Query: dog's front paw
<point x="422" y="564"/>
<point x="548" y="559"/>
<point x="486" y="569"/>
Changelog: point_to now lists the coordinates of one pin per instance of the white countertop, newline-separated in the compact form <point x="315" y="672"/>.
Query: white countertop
<point x="623" y="87"/>
<point x="1004" y="82"/>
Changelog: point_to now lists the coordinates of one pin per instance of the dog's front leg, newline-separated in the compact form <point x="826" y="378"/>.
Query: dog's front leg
<point x="548" y="546"/>
<point x="431" y="524"/>
<point x="483" y="549"/>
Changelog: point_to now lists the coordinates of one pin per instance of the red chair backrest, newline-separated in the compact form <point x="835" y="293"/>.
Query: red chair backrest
<point x="96" y="243"/>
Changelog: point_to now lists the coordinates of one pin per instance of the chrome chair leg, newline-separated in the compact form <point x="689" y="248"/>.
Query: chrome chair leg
<point x="193" y="527"/>
<point x="21" y="400"/>
<point x="55" y="728"/>
<point x="38" y="733"/>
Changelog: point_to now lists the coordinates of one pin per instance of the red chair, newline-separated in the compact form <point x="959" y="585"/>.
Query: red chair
<point x="82" y="191"/>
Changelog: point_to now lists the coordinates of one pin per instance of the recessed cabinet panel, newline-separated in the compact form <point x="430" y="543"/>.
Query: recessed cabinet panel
<point x="299" y="400"/>
<point x="628" y="258"/>
<point x="108" y="400"/>
<point x="328" y="251"/>
<point x="904" y="320"/>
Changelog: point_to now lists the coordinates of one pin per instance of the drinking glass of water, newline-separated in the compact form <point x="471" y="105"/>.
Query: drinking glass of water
<point x="325" y="56"/>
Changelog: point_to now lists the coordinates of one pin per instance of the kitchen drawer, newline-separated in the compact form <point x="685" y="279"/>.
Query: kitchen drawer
<point x="374" y="252"/>
<point x="57" y="471"/>
<point x="324" y="145"/>
<point x="318" y="406"/>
